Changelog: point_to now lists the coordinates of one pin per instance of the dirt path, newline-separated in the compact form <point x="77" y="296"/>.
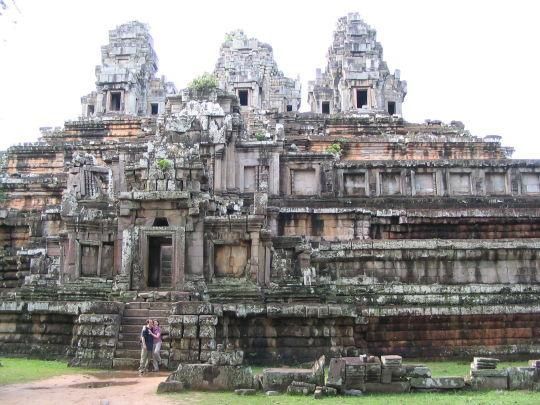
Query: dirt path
<point x="107" y="388"/>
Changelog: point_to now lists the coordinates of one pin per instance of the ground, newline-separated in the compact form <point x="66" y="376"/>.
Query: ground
<point x="45" y="382"/>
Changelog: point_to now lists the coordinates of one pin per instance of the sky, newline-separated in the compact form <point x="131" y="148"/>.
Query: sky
<point x="472" y="61"/>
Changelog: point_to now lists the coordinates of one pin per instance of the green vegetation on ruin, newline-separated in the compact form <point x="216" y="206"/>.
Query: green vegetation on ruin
<point x="17" y="370"/>
<point x="163" y="164"/>
<point x="204" y="82"/>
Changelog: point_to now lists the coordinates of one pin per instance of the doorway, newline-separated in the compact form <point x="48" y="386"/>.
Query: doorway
<point x="159" y="262"/>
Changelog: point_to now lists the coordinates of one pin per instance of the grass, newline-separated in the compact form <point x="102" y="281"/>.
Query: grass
<point x="427" y="398"/>
<point x="16" y="370"/>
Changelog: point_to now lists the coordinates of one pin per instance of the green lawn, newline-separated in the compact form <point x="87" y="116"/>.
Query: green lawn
<point x="469" y="398"/>
<point x="23" y="370"/>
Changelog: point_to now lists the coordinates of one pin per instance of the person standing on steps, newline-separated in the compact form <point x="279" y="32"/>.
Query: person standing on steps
<point x="156" y="334"/>
<point x="147" y="344"/>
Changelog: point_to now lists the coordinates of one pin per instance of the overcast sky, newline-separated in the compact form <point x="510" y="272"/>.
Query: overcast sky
<point x="474" y="61"/>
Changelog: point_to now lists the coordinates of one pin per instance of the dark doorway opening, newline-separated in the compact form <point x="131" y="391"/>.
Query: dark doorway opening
<point x="243" y="96"/>
<point x="161" y="221"/>
<point x="115" y="101"/>
<point x="90" y="109"/>
<point x="391" y="107"/>
<point x="289" y="107"/>
<point x="361" y="98"/>
<point x="159" y="261"/>
<point x="325" y="107"/>
<point x="154" y="108"/>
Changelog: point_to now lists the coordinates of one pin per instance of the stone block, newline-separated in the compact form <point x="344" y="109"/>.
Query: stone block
<point x="352" y="393"/>
<point x="208" y="377"/>
<point x="245" y="391"/>
<point x="301" y="388"/>
<point x="489" y="373"/>
<point x="386" y="376"/>
<point x="210" y="320"/>
<point x="192" y="308"/>
<point x="229" y="357"/>
<point x="416" y="371"/>
<point x="438" y="383"/>
<point x="190" y="331"/>
<point x="207" y="331"/>
<point x="398" y="386"/>
<point x="522" y="378"/>
<point x="489" y="383"/>
<point x="170" y="386"/>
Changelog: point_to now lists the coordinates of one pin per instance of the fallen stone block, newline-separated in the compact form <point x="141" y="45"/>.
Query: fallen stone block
<point x="489" y="373"/>
<point x="272" y="393"/>
<point x="398" y="386"/>
<point x="208" y="377"/>
<point x="245" y="391"/>
<point x="301" y="388"/>
<point x="489" y="383"/>
<point x="318" y="394"/>
<point x="170" y="386"/>
<point x="352" y="393"/>
<point x="391" y="360"/>
<point x="522" y="378"/>
<point x="279" y="379"/>
<point x="438" y="383"/>
<point x="413" y="370"/>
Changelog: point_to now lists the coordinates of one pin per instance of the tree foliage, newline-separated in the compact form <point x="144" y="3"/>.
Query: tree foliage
<point x="206" y="81"/>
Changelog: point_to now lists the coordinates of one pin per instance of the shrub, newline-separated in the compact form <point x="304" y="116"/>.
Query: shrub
<point x="204" y="82"/>
<point x="163" y="164"/>
<point x="334" y="149"/>
<point x="260" y="136"/>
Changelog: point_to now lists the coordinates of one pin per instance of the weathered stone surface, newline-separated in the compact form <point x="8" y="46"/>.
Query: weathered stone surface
<point x="438" y="383"/>
<point x="208" y="377"/>
<point x="245" y="391"/>
<point x="522" y="378"/>
<point x="397" y="386"/>
<point x="489" y="383"/>
<point x="279" y="379"/>
<point x="170" y="386"/>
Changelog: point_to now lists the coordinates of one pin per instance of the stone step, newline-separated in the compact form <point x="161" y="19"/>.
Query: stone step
<point x="141" y="320"/>
<point x="133" y="364"/>
<point x="131" y="336"/>
<point x="125" y="364"/>
<point x="136" y="344"/>
<point x="136" y="329"/>
<point x="135" y="353"/>
<point x="149" y="305"/>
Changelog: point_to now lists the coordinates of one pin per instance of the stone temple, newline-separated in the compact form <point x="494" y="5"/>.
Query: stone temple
<point x="238" y="220"/>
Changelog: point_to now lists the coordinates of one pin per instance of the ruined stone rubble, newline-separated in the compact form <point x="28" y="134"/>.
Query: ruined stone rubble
<point x="282" y="234"/>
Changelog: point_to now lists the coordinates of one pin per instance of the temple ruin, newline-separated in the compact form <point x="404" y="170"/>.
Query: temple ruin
<point x="239" y="221"/>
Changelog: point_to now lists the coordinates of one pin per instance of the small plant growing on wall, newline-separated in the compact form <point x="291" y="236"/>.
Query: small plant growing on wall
<point x="204" y="82"/>
<point x="334" y="149"/>
<point x="163" y="164"/>
<point x="260" y="136"/>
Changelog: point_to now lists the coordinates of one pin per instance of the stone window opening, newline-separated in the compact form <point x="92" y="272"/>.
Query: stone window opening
<point x="361" y="98"/>
<point x="154" y="108"/>
<point x="243" y="96"/>
<point x="391" y="107"/>
<point x="530" y="183"/>
<point x="325" y="107"/>
<point x="90" y="110"/>
<point x="289" y="107"/>
<point x="116" y="98"/>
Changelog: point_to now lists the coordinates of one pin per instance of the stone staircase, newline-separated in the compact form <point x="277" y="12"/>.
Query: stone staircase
<point x="128" y="349"/>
